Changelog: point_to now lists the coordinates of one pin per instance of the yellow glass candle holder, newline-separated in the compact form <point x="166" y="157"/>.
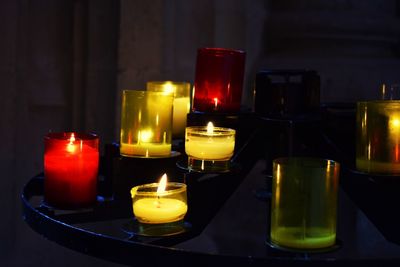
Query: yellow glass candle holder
<point x="146" y="124"/>
<point x="150" y="206"/>
<point x="378" y="137"/>
<point x="181" y="91"/>
<point x="209" y="147"/>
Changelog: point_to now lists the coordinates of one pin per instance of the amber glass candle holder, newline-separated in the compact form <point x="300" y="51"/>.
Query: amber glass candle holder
<point x="181" y="104"/>
<point x="71" y="162"/>
<point x="146" y="124"/>
<point x="378" y="137"/>
<point x="218" y="80"/>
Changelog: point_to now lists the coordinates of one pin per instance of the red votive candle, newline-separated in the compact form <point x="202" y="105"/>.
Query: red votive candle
<point x="71" y="162"/>
<point x="218" y="80"/>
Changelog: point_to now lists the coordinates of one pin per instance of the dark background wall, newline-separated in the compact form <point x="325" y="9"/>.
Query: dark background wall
<point x="64" y="63"/>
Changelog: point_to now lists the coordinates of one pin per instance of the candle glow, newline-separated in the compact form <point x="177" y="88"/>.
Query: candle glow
<point x="70" y="167"/>
<point x="181" y="104"/>
<point x="210" y="143"/>
<point x="159" y="203"/>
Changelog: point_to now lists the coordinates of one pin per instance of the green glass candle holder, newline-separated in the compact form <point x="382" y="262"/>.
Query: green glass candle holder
<point x="304" y="203"/>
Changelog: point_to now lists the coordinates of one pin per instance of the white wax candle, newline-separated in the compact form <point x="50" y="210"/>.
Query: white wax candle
<point x="180" y="111"/>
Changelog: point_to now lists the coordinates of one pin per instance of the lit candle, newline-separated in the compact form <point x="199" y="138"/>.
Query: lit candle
<point x="145" y="147"/>
<point x="210" y="143"/>
<point x="146" y="124"/>
<point x="71" y="163"/>
<point x="378" y="137"/>
<point x="181" y="104"/>
<point x="218" y="80"/>
<point x="161" y="202"/>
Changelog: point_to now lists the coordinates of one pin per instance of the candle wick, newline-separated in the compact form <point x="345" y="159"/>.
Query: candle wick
<point x="158" y="202"/>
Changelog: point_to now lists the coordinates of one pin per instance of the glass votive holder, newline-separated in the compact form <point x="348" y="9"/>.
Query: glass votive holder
<point x="209" y="148"/>
<point x="146" y="124"/>
<point x="71" y="162"/>
<point x="378" y="137"/>
<point x="304" y="203"/>
<point x="181" y="104"/>
<point x="218" y="80"/>
<point x="153" y="207"/>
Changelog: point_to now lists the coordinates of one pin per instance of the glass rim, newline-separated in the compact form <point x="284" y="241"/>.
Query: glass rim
<point x="202" y="131"/>
<point x="378" y="101"/>
<point x="65" y="136"/>
<point x="145" y="92"/>
<point x="221" y="50"/>
<point x="180" y="187"/>
<point x="314" y="162"/>
<point x="168" y="81"/>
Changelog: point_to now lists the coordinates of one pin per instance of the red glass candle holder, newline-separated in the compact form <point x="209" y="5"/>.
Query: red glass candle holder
<point x="218" y="80"/>
<point x="71" y="162"/>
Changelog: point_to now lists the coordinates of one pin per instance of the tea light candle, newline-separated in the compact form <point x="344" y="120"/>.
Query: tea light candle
<point x="159" y="203"/>
<point x="71" y="163"/>
<point x="209" y="142"/>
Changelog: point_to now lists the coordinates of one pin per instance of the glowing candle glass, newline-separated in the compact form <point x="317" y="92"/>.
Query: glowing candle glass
<point x="146" y="124"/>
<point x="209" y="144"/>
<point x="181" y="91"/>
<point x="159" y="203"/>
<point x="378" y="137"/>
<point x="71" y="162"/>
<point x="304" y="203"/>
<point x="218" y="80"/>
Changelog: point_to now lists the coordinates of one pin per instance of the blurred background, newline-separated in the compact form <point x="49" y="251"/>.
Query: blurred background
<point x="63" y="65"/>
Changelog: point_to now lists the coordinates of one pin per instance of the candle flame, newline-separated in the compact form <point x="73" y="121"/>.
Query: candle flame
<point x="169" y="88"/>
<point x="70" y="147"/>
<point x="395" y="123"/>
<point x="215" y="102"/>
<point x="162" y="184"/>
<point x="145" y="136"/>
<point x="210" y="128"/>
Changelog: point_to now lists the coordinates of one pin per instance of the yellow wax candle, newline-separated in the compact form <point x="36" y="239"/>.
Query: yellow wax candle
<point x="210" y="143"/>
<point x="162" y="210"/>
<point x="145" y="149"/>
<point x="180" y="111"/>
<point x="159" y="202"/>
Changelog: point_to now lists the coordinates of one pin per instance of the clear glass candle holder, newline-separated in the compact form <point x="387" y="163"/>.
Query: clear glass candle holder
<point x="71" y="162"/>
<point x="146" y="124"/>
<point x="218" y="80"/>
<point x="208" y="150"/>
<point x="181" y="104"/>
<point x="378" y="137"/>
<point x="152" y="207"/>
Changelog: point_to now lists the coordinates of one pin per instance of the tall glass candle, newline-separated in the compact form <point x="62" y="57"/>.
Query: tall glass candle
<point x="159" y="203"/>
<point x="71" y="162"/>
<point x="378" y="137"/>
<point x="304" y="203"/>
<point x="146" y="124"/>
<point x="181" y="91"/>
<point x="218" y="80"/>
